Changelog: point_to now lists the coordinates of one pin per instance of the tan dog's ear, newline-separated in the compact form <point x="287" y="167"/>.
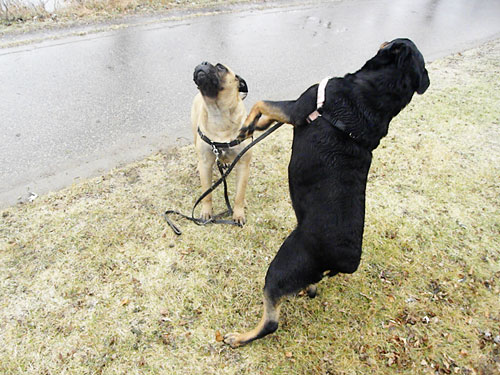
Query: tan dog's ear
<point x="243" y="88"/>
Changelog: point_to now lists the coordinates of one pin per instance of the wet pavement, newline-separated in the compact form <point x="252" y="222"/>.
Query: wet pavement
<point x="77" y="106"/>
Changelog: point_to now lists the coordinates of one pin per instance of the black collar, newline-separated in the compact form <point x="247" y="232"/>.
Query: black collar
<point x="218" y="145"/>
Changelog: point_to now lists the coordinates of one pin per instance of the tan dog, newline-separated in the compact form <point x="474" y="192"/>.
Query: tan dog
<point x="218" y="113"/>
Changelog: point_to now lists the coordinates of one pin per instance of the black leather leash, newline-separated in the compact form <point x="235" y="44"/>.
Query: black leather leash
<point x="216" y="218"/>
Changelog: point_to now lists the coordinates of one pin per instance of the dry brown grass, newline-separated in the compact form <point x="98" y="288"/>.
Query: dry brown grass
<point x="18" y="14"/>
<point x="93" y="282"/>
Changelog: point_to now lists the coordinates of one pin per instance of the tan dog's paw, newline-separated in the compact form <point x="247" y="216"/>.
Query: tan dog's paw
<point x="206" y="213"/>
<point x="239" y="216"/>
<point x="232" y="339"/>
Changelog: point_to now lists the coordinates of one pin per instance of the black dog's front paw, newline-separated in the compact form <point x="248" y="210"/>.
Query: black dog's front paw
<point x="246" y="132"/>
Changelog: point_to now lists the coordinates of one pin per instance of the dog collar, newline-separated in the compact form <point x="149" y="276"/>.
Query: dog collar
<point x="218" y="145"/>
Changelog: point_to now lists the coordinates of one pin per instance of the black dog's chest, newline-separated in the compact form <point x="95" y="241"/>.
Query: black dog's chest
<point x="319" y="151"/>
<point x="327" y="177"/>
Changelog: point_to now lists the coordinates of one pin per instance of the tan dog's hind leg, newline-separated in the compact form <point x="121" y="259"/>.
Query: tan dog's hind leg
<point x="268" y="324"/>
<point x="242" y="173"/>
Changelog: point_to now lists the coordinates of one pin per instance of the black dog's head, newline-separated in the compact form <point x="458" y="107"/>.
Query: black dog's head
<point x="386" y="84"/>
<point x="218" y="81"/>
<point x="404" y="56"/>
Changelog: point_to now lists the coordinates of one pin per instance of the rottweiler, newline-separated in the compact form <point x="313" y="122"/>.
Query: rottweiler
<point x="337" y="125"/>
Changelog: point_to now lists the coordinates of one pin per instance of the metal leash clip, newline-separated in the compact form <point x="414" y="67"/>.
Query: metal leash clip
<point x="216" y="152"/>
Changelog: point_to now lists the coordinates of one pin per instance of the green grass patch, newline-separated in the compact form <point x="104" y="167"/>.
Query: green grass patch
<point x="92" y="281"/>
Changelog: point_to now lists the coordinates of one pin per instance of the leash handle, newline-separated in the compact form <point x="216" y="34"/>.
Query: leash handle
<point x="198" y="221"/>
<point x="174" y="227"/>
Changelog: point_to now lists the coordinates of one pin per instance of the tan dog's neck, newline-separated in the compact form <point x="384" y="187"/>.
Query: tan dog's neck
<point x="224" y="118"/>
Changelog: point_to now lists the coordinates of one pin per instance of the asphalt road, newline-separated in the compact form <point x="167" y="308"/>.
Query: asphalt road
<point x="77" y="106"/>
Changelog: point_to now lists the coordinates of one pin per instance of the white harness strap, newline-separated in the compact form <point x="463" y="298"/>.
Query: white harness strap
<point x="320" y="100"/>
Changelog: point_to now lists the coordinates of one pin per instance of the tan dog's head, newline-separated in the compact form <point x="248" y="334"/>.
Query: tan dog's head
<point x="219" y="83"/>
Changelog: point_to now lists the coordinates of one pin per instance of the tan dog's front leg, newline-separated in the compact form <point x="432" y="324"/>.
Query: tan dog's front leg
<point x="205" y="167"/>
<point x="242" y="173"/>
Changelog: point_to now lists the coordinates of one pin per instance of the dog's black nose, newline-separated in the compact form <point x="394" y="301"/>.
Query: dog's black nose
<point x="204" y="63"/>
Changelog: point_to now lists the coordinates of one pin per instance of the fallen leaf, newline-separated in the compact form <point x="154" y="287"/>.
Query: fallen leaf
<point x="288" y="354"/>
<point x="124" y="301"/>
<point x="219" y="337"/>
<point x="165" y="339"/>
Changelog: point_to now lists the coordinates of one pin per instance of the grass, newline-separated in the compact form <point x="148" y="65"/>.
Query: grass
<point x="92" y="281"/>
<point x="19" y="15"/>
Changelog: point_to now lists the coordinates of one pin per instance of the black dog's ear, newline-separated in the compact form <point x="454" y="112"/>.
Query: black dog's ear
<point x="402" y="53"/>
<point x="407" y="57"/>
<point x="243" y="88"/>
<point x="424" y="82"/>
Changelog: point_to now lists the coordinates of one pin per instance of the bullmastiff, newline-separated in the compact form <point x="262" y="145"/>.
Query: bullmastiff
<point x="217" y="115"/>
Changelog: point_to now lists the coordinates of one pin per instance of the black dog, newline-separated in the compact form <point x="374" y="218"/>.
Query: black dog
<point x="331" y="157"/>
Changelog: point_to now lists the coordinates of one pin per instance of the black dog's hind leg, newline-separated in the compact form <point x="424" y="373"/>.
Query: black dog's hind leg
<point x="268" y="324"/>
<point x="312" y="290"/>
<point x="291" y="270"/>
